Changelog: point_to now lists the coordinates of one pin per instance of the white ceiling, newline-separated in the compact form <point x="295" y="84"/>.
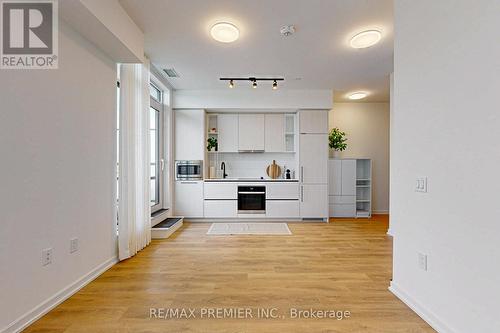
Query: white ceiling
<point x="317" y="56"/>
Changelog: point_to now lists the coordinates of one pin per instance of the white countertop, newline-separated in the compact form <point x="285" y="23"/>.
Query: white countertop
<point x="252" y="180"/>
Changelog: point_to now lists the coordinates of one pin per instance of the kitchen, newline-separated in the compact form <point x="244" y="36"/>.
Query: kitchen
<point x="249" y="165"/>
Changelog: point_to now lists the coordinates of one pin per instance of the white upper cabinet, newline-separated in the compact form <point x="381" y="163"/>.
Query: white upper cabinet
<point x="228" y="132"/>
<point x="251" y="132"/>
<point x="274" y="133"/>
<point x="313" y="121"/>
<point x="313" y="155"/>
<point x="189" y="134"/>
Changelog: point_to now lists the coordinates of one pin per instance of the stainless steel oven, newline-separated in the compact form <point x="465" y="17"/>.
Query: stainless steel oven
<point x="189" y="170"/>
<point x="251" y="199"/>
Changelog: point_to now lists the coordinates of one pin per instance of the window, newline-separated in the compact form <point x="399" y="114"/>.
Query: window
<point x="158" y="173"/>
<point x="117" y="141"/>
<point x="155" y="93"/>
<point x="156" y="143"/>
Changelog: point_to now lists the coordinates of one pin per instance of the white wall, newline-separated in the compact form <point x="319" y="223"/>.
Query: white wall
<point x="260" y="98"/>
<point x="446" y="127"/>
<point x="57" y="139"/>
<point x="252" y="165"/>
<point x="391" y="142"/>
<point x="107" y="25"/>
<point x="112" y="15"/>
<point x="367" y="129"/>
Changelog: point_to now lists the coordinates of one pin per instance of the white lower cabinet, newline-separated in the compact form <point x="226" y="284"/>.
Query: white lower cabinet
<point x="188" y="198"/>
<point x="314" y="201"/>
<point x="221" y="208"/>
<point x="222" y="190"/>
<point x="342" y="210"/>
<point x="282" y="208"/>
<point x="220" y="199"/>
<point x="282" y="191"/>
<point x="342" y="199"/>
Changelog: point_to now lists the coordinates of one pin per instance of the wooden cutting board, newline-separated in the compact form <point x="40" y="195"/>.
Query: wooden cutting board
<point x="273" y="170"/>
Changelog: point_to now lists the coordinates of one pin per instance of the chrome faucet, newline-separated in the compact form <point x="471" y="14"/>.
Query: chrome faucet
<point x="223" y="168"/>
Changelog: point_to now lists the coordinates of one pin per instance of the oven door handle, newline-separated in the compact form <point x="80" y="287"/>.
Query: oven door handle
<point x="251" y="192"/>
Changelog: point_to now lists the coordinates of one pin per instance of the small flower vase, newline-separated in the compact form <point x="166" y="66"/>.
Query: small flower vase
<point x="336" y="153"/>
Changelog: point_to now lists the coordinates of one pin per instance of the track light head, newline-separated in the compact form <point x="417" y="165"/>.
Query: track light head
<point x="253" y="80"/>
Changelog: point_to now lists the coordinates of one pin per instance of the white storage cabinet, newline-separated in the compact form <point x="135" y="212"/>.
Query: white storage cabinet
<point x="188" y="199"/>
<point x="349" y="187"/>
<point x="220" y="200"/>
<point x="313" y="163"/>
<point x="251" y="128"/>
<point x="282" y="200"/>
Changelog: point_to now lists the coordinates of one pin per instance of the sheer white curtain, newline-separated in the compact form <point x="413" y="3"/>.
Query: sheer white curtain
<point x="134" y="211"/>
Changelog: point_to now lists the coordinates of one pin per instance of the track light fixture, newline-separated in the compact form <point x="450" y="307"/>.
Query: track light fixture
<point x="253" y="80"/>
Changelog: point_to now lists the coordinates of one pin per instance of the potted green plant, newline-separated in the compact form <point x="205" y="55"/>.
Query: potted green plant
<point x="212" y="144"/>
<point x="337" y="141"/>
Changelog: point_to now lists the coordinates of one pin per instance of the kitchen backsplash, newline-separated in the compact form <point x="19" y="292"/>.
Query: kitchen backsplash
<point x="251" y="165"/>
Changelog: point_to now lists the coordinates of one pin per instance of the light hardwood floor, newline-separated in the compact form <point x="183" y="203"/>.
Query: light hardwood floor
<point x="343" y="265"/>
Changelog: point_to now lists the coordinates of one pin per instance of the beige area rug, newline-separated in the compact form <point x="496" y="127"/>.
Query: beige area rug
<point x="249" y="229"/>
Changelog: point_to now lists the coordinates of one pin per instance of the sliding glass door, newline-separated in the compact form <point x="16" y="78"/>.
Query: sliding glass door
<point x="156" y="142"/>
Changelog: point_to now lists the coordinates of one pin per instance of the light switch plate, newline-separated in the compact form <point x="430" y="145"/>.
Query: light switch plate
<point x="422" y="261"/>
<point x="421" y="184"/>
<point x="73" y="245"/>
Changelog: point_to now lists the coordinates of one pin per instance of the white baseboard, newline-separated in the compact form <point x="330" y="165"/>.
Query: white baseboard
<point x="380" y="212"/>
<point x="390" y="233"/>
<point x="244" y="220"/>
<point x="36" y="313"/>
<point x="420" y="310"/>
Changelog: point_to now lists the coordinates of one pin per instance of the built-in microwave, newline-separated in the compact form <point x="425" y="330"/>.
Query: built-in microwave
<point x="189" y="170"/>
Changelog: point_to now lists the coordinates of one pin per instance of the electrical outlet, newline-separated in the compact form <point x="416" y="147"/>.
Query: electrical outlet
<point x="421" y="184"/>
<point x="73" y="245"/>
<point x="46" y="256"/>
<point x="422" y="261"/>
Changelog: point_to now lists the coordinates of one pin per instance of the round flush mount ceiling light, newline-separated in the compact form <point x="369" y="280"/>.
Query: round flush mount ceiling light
<point x="358" y="95"/>
<point x="224" y="32"/>
<point x="365" y="39"/>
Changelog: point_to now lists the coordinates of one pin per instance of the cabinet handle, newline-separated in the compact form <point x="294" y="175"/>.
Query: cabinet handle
<point x="301" y="174"/>
<point x="189" y="182"/>
<point x="302" y="194"/>
<point x="250" y="150"/>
